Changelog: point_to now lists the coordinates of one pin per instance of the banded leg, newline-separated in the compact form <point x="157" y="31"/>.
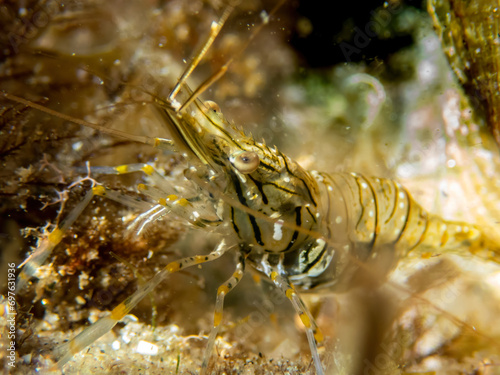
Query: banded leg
<point x="223" y="290"/>
<point x="195" y="212"/>
<point x="156" y="178"/>
<point x="90" y="334"/>
<point x="314" y="335"/>
<point x="48" y="244"/>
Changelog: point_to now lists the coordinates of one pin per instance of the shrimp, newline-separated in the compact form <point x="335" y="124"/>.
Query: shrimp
<point x="303" y="230"/>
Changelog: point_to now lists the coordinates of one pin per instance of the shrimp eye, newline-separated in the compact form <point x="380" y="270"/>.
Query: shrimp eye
<point x="245" y="161"/>
<point x="212" y="106"/>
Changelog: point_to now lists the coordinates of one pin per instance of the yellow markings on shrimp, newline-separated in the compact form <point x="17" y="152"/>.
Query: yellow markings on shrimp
<point x="200" y="259"/>
<point x="162" y="201"/>
<point x="318" y="336"/>
<point x="55" y="236"/>
<point x="142" y="187"/>
<point x="183" y="202"/>
<point x="305" y="320"/>
<point x="217" y="318"/>
<point x="149" y="170"/>
<point x="444" y="238"/>
<point x="173" y="267"/>
<point x="468" y="233"/>
<point x="274" y="275"/>
<point x="99" y="190"/>
<point x="119" y="311"/>
<point x="121" y="169"/>
<point x="289" y="293"/>
<point x="223" y="289"/>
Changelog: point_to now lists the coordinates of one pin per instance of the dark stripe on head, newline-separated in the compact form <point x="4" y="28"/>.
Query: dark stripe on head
<point x="301" y="179"/>
<point x="268" y="166"/>
<point x="237" y="187"/>
<point x="310" y="213"/>
<point x="258" y="184"/>
<point x="256" y="230"/>
<point x="235" y="227"/>
<point x="241" y="198"/>
<point x="282" y="188"/>
<point x="298" y="222"/>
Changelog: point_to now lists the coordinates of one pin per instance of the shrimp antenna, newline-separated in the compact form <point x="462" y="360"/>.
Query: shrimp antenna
<point x="114" y="132"/>
<point x="215" y="29"/>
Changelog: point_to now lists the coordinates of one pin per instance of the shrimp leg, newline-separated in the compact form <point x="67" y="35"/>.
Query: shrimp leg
<point x="90" y="334"/>
<point x="223" y="290"/>
<point x="314" y="335"/>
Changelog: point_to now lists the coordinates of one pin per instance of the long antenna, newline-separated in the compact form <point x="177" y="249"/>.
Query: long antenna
<point x="117" y="133"/>
<point x="223" y="69"/>
<point x="214" y="31"/>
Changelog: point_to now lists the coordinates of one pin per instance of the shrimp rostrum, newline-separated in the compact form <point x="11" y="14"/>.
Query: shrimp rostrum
<point x="302" y="229"/>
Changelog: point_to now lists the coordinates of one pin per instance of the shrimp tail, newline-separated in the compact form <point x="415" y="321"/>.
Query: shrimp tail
<point x="454" y="236"/>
